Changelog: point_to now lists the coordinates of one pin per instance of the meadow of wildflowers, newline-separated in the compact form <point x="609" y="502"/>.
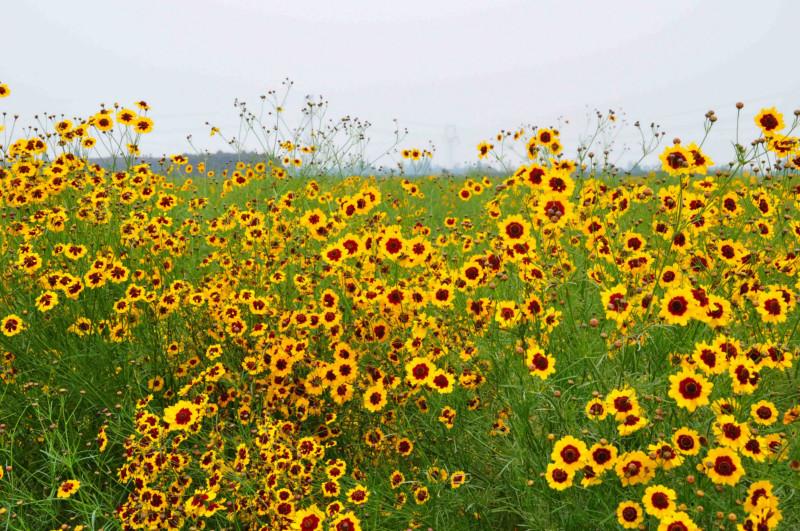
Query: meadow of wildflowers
<point x="276" y="344"/>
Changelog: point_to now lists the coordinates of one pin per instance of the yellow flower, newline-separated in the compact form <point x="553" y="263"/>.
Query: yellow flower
<point x="442" y="382"/>
<point x="596" y="409"/>
<point x="633" y="468"/>
<point x="676" y="160"/>
<point x="569" y="453"/>
<point x="630" y="514"/>
<point x="539" y="363"/>
<point x="182" y="415"/>
<point x="358" y="495"/>
<point x="687" y="441"/>
<point x="143" y="125"/>
<point x="659" y="500"/>
<point x="615" y="303"/>
<point x="11" y="325"/>
<point x="764" y="412"/>
<point x="506" y="314"/>
<point x="420" y="371"/>
<point x="769" y="121"/>
<point x="771" y="306"/>
<point x="126" y="116"/>
<point x="700" y="161"/>
<point x="483" y="149"/>
<point x="102" y="121"/>
<point x="689" y="389"/>
<point x="68" y="488"/>
<point x="677" y="520"/>
<point x="47" y="301"/>
<point x="759" y="494"/>
<point x="559" y="477"/>
<point x="375" y="397"/>
<point x="345" y="522"/>
<point x="514" y="229"/>
<point x="728" y="432"/>
<point x="457" y="478"/>
<point x="631" y="423"/>
<point x="309" y="519"/>
<point x="678" y="306"/>
<point x="723" y="466"/>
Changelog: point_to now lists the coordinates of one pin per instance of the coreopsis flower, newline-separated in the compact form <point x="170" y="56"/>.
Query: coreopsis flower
<point x="346" y="521"/>
<point x="68" y="488"/>
<point x="709" y="359"/>
<point x="182" y="415"/>
<point x="143" y="125"/>
<point x="634" y="468"/>
<point x="723" y="466"/>
<point x="375" y="398"/>
<point x="506" y="313"/>
<point x="596" y="409"/>
<point x="759" y="494"/>
<point x="539" y="363"/>
<point x="729" y="432"/>
<point x="11" y="325"/>
<point x="764" y="413"/>
<point x="484" y="148"/>
<point x="689" y="389"/>
<point x="514" y="229"/>
<point x="678" y="306"/>
<point x="558" y="476"/>
<point x="616" y="304"/>
<point x="766" y="517"/>
<point x="420" y="371"/>
<point x="404" y="447"/>
<point x="772" y="307"/>
<point x="570" y="453"/>
<point x="631" y="423"/>
<point x="602" y="457"/>
<point x="358" y="495"/>
<point x="700" y="161"/>
<point x="769" y="120"/>
<point x="309" y="519"/>
<point x="102" y="121"/>
<point x="421" y="495"/>
<point x="677" y="520"/>
<point x="622" y="402"/>
<point x="677" y="160"/>
<point x="687" y="441"/>
<point x="659" y="500"/>
<point x="630" y="514"/>
<point x="457" y="478"/>
<point x="47" y="301"/>
<point x="102" y="439"/>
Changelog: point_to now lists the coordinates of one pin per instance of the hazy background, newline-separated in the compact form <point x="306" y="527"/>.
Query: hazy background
<point x="454" y="72"/>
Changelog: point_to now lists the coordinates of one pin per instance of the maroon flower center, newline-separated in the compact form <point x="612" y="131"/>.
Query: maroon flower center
<point x="515" y="230"/>
<point x="570" y="454"/>
<point x="690" y="389"/>
<point x="678" y="306"/>
<point x="724" y="466"/>
<point x="768" y="122"/>
<point x="660" y="500"/>
<point x="183" y="416"/>
<point x="630" y="514"/>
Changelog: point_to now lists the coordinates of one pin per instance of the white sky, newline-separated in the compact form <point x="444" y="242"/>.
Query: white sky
<point x="475" y="66"/>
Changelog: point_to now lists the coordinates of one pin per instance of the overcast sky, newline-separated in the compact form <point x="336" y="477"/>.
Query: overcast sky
<point x="454" y="72"/>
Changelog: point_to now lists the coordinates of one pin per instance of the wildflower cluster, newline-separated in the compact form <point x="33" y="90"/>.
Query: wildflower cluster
<point x="332" y="353"/>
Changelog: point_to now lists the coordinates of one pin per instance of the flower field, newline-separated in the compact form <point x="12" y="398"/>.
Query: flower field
<point x="268" y="346"/>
